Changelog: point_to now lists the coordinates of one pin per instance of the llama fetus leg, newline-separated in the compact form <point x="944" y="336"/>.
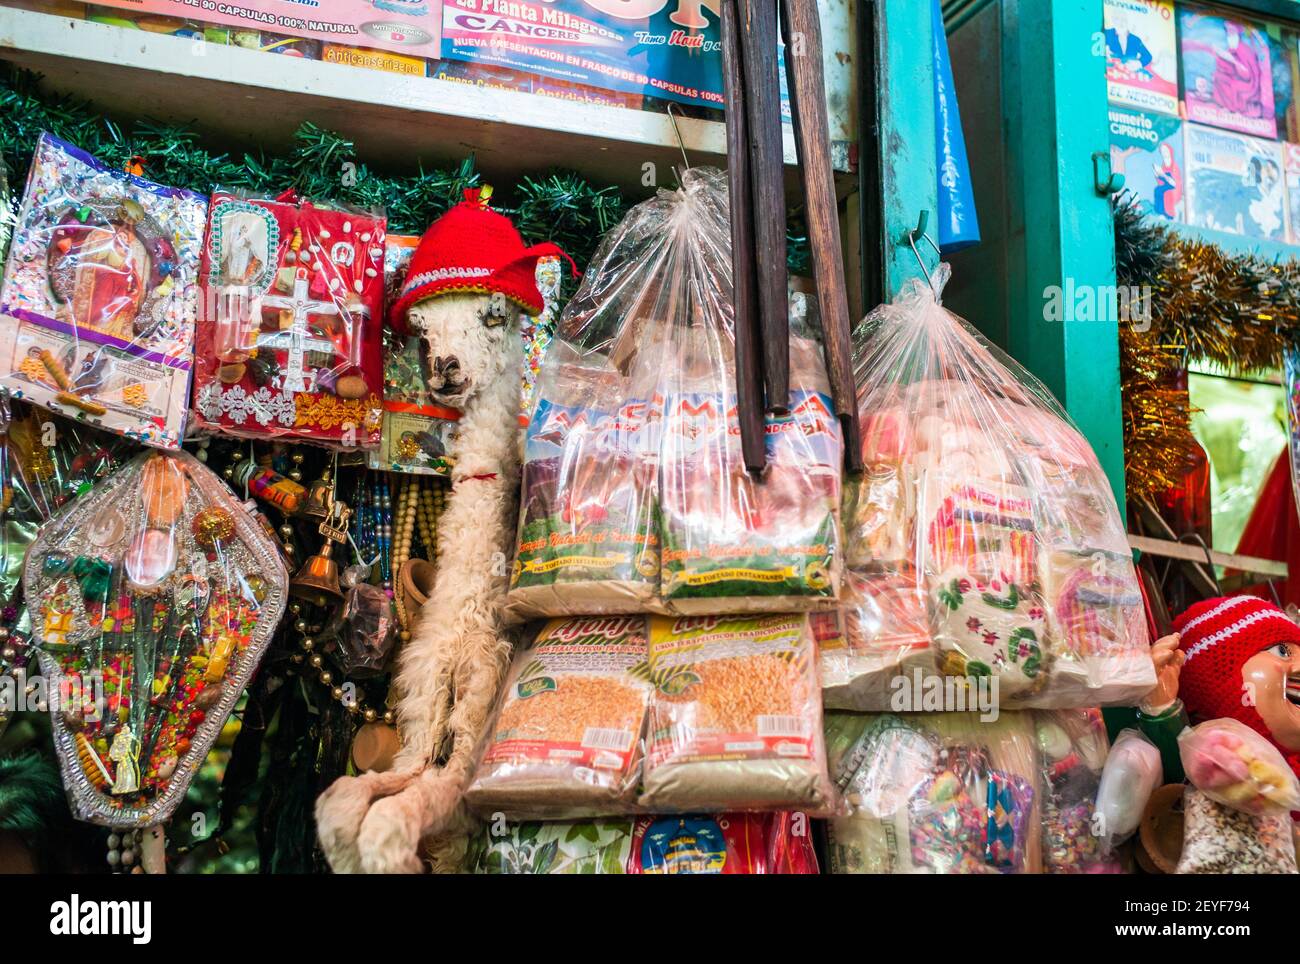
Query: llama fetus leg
<point x="341" y="809"/>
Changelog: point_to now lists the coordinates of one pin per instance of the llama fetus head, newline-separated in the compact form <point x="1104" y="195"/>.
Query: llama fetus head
<point x="470" y="341"/>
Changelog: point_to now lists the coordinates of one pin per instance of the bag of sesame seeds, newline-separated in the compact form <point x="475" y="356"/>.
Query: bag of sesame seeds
<point x="1218" y="839"/>
<point x="735" y="715"/>
<point x="567" y="737"/>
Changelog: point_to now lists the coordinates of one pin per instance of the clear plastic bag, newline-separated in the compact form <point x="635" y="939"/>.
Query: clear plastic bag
<point x="1132" y="772"/>
<point x="99" y="297"/>
<point x="984" y="503"/>
<point x="568" y="734"/>
<point x="1219" y="839"/>
<point x="635" y="495"/>
<point x="560" y="847"/>
<point x="290" y="331"/>
<point x="934" y="793"/>
<point x="735" y="716"/>
<point x="1232" y="764"/>
<point x="152" y="601"/>
<point x="1072" y="747"/>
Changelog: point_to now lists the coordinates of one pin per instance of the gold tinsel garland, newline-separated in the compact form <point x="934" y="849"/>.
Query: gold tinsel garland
<point x="1205" y="304"/>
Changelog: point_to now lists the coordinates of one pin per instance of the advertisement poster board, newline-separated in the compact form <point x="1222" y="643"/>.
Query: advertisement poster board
<point x="658" y="48"/>
<point x="1142" y="54"/>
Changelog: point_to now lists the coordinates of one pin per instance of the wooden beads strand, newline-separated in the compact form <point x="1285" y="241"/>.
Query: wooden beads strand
<point x="408" y="503"/>
<point x="433" y="499"/>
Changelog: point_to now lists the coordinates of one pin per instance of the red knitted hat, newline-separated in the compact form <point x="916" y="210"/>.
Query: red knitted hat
<point x="1218" y="636"/>
<point x="473" y="248"/>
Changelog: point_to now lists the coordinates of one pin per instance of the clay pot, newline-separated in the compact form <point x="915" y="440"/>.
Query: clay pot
<point x="1160" y="834"/>
<point x="415" y="582"/>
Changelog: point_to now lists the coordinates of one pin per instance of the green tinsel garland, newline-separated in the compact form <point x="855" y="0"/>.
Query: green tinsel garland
<point x="559" y="206"/>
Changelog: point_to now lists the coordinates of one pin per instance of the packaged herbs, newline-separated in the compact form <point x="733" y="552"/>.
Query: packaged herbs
<point x="567" y="737"/>
<point x="735" y="715"/>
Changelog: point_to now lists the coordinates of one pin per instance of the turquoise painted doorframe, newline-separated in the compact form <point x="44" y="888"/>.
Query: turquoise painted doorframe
<point x="905" y="101"/>
<point x="1053" y="231"/>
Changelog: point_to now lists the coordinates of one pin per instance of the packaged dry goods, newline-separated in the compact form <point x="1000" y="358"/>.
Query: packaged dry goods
<point x="1072" y="749"/>
<point x="152" y="598"/>
<point x="983" y="504"/>
<point x="735" y="715"/>
<point x="589" y="517"/>
<point x="561" y="847"/>
<point x="1218" y="839"/>
<point x="289" y="339"/>
<point x="876" y="642"/>
<point x="940" y="793"/>
<point x="567" y="738"/>
<point x="724" y="843"/>
<point x="635" y="496"/>
<point x="99" y="299"/>
<point x="1232" y="764"/>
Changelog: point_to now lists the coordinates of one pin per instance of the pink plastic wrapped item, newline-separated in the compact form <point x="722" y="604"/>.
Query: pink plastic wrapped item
<point x="1232" y="764"/>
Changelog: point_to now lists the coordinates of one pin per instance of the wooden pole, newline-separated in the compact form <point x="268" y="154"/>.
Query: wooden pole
<point x="749" y="359"/>
<point x="758" y="34"/>
<point x="801" y="29"/>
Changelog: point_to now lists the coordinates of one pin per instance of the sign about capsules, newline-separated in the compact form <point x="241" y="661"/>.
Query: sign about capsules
<point x="402" y="26"/>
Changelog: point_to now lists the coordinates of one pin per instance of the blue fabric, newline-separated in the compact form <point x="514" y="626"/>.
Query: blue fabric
<point x="958" y="224"/>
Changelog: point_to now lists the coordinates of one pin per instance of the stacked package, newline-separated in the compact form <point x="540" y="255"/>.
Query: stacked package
<point x="607" y="715"/>
<point x="678" y="673"/>
<point x="635" y="495"/>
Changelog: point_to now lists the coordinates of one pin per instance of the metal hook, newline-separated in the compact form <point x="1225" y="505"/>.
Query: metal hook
<point x="1197" y="538"/>
<point x="919" y="234"/>
<point x="1106" y="183"/>
<point x="681" y="146"/>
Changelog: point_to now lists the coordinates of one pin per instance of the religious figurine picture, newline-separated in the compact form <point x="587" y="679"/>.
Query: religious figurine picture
<point x="289" y="340"/>
<point x="100" y="289"/>
<point x="1227" y="74"/>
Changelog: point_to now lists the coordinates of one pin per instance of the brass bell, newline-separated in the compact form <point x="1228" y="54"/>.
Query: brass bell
<point x="318" y="579"/>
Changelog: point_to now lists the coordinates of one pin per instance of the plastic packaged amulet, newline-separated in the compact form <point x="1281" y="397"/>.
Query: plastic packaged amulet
<point x="289" y="336"/>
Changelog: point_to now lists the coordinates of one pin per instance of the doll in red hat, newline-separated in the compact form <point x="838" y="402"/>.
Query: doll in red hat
<point x="1235" y="657"/>
<point x="469" y="279"/>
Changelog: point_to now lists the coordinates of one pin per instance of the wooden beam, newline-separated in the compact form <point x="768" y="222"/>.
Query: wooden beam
<point x="758" y="34"/>
<point x="1194" y="553"/>
<point x="801" y="28"/>
<point x="749" y="348"/>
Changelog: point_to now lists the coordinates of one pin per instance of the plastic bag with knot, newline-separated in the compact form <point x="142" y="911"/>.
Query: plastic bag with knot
<point x="983" y="508"/>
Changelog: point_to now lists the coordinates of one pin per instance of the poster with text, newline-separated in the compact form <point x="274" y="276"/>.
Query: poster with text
<point x="1147" y="148"/>
<point x="1142" y="54"/>
<point x="402" y="26"/>
<point x="659" y="48"/>
<point x="1235" y="183"/>
<point x="1227" y="73"/>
